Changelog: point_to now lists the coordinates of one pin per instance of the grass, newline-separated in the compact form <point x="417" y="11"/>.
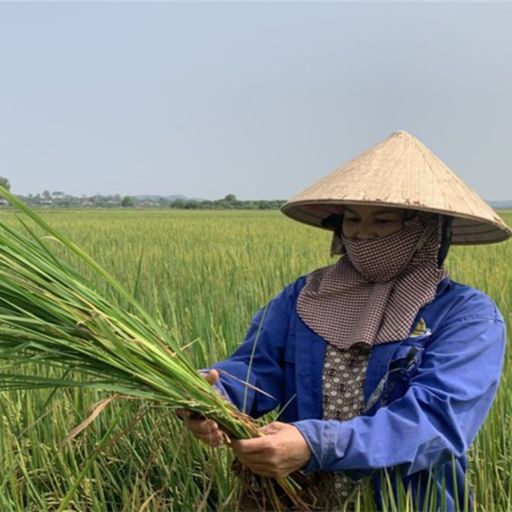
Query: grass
<point x="203" y="274"/>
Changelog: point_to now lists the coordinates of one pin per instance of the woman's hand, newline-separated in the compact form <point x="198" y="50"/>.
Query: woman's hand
<point x="281" y="452"/>
<point x="204" y="429"/>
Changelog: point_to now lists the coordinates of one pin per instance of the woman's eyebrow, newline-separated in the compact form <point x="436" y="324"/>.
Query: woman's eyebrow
<point x="386" y="211"/>
<point x="349" y="210"/>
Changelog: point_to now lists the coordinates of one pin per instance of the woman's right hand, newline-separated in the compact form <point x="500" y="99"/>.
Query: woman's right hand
<point x="204" y="429"/>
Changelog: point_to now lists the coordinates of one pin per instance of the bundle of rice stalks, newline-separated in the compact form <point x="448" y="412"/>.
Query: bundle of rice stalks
<point x="50" y="314"/>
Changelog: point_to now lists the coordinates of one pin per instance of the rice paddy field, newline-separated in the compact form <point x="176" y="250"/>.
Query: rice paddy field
<point x="203" y="274"/>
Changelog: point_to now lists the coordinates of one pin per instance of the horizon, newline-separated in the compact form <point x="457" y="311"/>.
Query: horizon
<point x="506" y="202"/>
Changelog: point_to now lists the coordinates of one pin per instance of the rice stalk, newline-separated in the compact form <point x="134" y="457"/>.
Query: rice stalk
<point x="50" y="314"/>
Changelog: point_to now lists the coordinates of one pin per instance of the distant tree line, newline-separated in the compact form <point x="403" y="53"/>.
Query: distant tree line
<point x="60" y="199"/>
<point x="229" y="202"/>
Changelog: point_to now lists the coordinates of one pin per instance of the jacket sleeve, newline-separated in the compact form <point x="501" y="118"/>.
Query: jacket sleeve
<point x="252" y="376"/>
<point x="439" y="415"/>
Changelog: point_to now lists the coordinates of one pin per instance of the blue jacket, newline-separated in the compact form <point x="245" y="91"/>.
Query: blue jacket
<point x="426" y="397"/>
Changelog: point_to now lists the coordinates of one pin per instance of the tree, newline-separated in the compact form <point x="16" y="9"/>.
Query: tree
<point x="4" y="182"/>
<point x="127" y="202"/>
<point x="230" y="198"/>
<point x="177" y="203"/>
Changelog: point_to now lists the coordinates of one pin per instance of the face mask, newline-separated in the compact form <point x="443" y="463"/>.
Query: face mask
<point x="383" y="258"/>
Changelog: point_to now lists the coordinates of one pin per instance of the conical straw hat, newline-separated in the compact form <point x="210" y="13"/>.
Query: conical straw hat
<point x="401" y="172"/>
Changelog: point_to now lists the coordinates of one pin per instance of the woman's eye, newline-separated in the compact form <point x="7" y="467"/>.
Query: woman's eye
<point x="355" y="220"/>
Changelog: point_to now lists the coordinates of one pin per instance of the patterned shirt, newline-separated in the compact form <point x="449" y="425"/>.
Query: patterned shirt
<point x="342" y="399"/>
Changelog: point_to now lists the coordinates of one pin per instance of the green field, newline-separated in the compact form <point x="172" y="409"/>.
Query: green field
<point x="203" y="274"/>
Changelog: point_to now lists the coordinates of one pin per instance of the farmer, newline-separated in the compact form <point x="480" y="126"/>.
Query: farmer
<point x="379" y="361"/>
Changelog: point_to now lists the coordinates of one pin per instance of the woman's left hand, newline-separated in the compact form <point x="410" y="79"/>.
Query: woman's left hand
<point x="280" y="452"/>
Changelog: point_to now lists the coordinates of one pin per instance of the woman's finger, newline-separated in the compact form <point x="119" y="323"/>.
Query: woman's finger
<point x="212" y="377"/>
<point x="202" y="426"/>
<point x="213" y="440"/>
<point x="205" y="430"/>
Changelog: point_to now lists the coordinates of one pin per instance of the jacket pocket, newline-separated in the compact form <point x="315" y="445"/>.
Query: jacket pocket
<point x="402" y="365"/>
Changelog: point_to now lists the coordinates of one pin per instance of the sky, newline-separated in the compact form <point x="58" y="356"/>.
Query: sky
<point x="257" y="99"/>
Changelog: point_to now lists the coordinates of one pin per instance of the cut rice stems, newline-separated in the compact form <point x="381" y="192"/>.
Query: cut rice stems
<point x="52" y="315"/>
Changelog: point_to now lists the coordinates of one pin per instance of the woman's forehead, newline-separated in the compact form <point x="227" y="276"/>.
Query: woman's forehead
<point x="373" y="210"/>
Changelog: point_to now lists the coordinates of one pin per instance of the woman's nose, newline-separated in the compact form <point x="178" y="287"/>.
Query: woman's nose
<point x="365" y="232"/>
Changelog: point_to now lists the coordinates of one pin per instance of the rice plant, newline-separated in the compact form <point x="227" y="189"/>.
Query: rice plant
<point x="201" y="276"/>
<point x="51" y="315"/>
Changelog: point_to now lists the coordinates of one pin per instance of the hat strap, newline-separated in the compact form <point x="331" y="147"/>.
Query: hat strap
<point x="427" y="233"/>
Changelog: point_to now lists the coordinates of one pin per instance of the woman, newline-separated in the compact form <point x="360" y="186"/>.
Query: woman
<point x="379" y="361"/>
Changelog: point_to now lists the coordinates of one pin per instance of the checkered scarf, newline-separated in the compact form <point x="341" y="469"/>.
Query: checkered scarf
<point x="373" y="293"/>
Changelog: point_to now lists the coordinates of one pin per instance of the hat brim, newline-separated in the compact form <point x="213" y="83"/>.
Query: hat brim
<point x="467" y="229"/>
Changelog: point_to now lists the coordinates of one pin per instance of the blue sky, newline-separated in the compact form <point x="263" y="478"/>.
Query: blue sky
<point x="255" y="99"/>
